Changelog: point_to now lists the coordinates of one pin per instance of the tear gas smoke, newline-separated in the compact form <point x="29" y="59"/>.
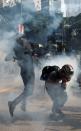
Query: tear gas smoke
<point x="60" y="61"/>
<point x="29" y="5"/>
<point x="42" y="26"/>
<point x="8" y="35"/>
<point x="73" y="8"/>
<point x="9" y="71"/>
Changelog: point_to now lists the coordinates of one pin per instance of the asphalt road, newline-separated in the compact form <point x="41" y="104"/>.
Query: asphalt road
<point x="38" y="116"/>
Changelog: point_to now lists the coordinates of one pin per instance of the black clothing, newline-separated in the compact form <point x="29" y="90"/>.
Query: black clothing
<point x="47" y="70"/>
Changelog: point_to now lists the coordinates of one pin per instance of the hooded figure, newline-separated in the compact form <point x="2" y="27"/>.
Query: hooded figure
<point x="55" y="84"/>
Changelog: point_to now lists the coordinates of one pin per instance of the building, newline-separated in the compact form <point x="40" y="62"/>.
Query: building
<point x="45" y="5"/>
<point x="42" y="5"/>
<point x="73" y="7"/>
<point x="48" y="5"/>
<point x="55" y="5"/>
<point x="37" y="4"/>
<point x="10" y="3"/>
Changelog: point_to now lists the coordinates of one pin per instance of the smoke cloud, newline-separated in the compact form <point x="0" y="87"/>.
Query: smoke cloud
<point x="8" y="40"/>
<point x="71" y="8"/>
<point x="59" y="61"/>
<point x="10" y="72"/>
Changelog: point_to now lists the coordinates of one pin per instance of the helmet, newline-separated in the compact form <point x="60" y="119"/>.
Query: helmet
<point x="67" y="70"/>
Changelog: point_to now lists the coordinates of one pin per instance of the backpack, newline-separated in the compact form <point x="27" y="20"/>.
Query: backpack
<point x="47" y="70"/>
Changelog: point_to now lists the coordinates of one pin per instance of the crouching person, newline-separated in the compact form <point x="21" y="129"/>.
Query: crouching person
<point x="55" y="84"/>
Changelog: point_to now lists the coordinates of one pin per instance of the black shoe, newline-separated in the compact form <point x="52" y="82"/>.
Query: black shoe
<point x="11" y="108"/>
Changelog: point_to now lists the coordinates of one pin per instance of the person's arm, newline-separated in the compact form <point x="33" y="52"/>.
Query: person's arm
<point x="10" y="57"/>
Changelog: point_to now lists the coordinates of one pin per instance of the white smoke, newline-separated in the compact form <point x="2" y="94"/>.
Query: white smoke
<point x="7" y="41"/>
<point x="62" y="60"/>
<point x="71" y="8"/>
<point x="29" y="5"/>
<point x="63" y="8"/>
<point x="7" y="69"/>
